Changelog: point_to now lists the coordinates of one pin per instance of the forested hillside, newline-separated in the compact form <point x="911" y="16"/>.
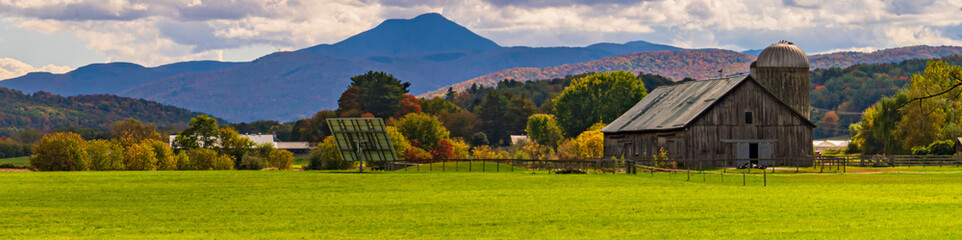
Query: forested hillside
<point x="700" y="64"/>
<point x="46" y="111"/>
<point x="853" y="89"/>
<point x="678" y="65"/>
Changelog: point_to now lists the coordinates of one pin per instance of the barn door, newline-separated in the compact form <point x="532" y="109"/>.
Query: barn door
<point x="741" y="151"/>
<point x="765" y="150"/>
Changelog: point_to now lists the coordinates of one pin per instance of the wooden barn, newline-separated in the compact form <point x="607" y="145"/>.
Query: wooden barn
<point x="724" y="122"/>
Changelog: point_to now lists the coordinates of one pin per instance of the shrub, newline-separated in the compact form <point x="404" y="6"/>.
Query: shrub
<point x="183" y="161"/>
<point x="920" y="150"/>
<point x="327" y="157"/>
<point x="416" y="153"/>
<point x="485" y="152"/>
<point x="166" y="159"/>
<point x="280" y="159"/>
<point x="460" y="149"/>
<point x="944" y="147"/>
<point x="201" y="159"/>
<point x="60" y="152"/>
<point x="252" y="161"/>
<point x="224" y="162"/>
<point x="398" y="141"/>
<point x="105" y="155"/>
<point x="443" y="150"/>
<point x="9" y="149"/>
<point x="141" y="156"/>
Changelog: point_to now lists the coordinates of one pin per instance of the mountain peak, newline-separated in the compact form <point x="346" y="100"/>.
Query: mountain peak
<point x="425" y="34"/>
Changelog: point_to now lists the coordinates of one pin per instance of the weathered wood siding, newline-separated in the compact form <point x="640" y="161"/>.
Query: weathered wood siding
<point x="726" y="121"/>
<point x="703" y="138"/>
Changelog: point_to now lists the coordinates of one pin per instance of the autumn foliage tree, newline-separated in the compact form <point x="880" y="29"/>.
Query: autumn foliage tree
<point x="597" y="98"/>
<point x="60" y="152"/>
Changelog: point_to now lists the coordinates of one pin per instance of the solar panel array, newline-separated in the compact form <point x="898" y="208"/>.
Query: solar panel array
<point x="362" y="139"/>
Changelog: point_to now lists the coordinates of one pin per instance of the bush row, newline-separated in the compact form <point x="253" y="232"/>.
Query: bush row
<point x="70" y="152"/>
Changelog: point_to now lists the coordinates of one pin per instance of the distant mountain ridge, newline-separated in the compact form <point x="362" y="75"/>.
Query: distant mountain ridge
<point x="697" y="64"/>
<point x="106" y="78"/>
<point x="429" y="51"/>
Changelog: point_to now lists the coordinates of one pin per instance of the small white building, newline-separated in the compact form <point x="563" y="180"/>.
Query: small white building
<point x="830" y="144"/>
<point x="260" y="139"/>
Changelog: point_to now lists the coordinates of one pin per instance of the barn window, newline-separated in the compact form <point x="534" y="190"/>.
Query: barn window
<point x="749" y="118"/>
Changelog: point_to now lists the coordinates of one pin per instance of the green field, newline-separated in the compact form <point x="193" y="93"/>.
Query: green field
<point x="505" y="205"/>
<point x="17" y="161"/>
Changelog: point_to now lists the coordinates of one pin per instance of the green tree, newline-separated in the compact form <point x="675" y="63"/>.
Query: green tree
<point x="438" y="105"/>
<point x="315" y="129"/>
<point x="60" y="152"/>
<point x="516" y="118"/>
<point x="462" y="124"/>
<point x="597" y="98"/>
<point x="202" y="132"/>
<point x="544" y="130"/>
<point x="132" y="132"/>
<point x="423" y="128"/>
<point x="326" y="156"/>
<point x="492" y="112"/>
<point x="379" y="93"/>
<point x="232" y="144"/>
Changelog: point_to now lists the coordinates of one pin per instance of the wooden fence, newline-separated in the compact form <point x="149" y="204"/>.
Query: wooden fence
<point x="890" y="160"/>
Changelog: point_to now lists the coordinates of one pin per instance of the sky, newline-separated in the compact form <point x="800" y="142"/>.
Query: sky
<point x="61" y="35"/>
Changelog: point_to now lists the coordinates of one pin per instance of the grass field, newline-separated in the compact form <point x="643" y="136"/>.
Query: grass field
<point x="17" y="161"/>
<point x="436" y="205"/>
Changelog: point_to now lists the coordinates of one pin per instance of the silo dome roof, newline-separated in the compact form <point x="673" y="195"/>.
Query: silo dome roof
<point x="782" y="54"/>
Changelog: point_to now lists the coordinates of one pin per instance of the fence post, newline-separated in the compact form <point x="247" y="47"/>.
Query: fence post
<point x="764" y="179"/>
<point x="482" y="165"/>
<point x="497" y="165"/>
<point x="469" y="165"/>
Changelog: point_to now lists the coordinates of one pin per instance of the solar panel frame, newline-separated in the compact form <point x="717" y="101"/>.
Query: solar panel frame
<point x="369" y="133"/>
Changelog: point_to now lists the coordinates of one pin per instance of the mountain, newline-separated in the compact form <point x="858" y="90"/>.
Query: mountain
<point x="429" y="51"/>
<point x="106" y="78"/>
<point x="697" y="64"/>
<point x="631" y="47"/>
<point x="754" y="52"/>
<point x="846" y="59"/>
<point x="425" y="34"/>
<point x="42" y="110"/>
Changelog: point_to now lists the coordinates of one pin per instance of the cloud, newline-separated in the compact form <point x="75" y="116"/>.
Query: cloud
<point x="161" y="31"/>
<point x="11" y="68"/>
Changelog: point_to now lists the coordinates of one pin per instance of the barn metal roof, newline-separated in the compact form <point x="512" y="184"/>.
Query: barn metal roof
<point x="673" y="107"/>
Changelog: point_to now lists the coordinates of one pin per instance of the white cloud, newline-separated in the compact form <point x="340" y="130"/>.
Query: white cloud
<point x="153" y="32"/>
<point x="11" y="68"/>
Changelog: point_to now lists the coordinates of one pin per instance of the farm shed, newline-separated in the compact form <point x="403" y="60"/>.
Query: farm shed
<point x="724" y="122"/>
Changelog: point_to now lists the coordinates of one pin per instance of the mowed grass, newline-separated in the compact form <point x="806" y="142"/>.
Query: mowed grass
<point x="463" y="166"/>
<point x="505" y="205"/>
<point x="17" y="161"/>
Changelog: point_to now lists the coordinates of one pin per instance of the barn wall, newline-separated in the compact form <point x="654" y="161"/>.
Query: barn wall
<point x="726" y="120"/>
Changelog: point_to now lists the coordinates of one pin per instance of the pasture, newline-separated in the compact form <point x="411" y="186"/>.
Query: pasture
<point x="443" y="205"/>
<point x="17" y="161"/>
